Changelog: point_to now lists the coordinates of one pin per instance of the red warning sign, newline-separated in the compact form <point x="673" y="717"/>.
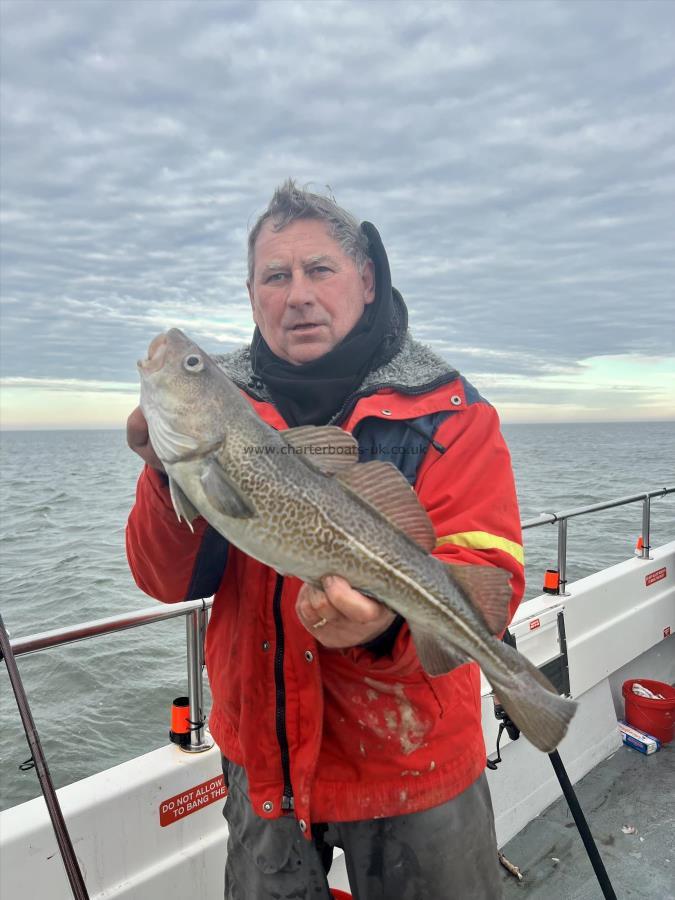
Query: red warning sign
<point x="534" y="623"/>
<point x="655" y="576"/>
<point x="191" y="800"/>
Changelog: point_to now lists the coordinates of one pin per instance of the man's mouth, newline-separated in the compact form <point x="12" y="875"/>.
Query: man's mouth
<point x="306" y="326"/>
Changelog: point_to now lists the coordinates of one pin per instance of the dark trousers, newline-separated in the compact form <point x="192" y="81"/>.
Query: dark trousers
<point x="448" y="852"/>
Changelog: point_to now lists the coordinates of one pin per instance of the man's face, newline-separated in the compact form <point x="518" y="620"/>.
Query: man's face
<point x="306" y="293"/>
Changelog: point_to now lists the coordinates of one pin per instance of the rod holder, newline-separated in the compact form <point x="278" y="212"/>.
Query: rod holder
<point x="195" y="627"/>
<point x="646" y="518"/>
<point x="562" y="557"/>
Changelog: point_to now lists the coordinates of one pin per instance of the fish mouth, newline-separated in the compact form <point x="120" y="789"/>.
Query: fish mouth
<point x="156" y="355"/>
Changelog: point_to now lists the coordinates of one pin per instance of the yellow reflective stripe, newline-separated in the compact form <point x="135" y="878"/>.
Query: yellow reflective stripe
<point x="483" y="540"/>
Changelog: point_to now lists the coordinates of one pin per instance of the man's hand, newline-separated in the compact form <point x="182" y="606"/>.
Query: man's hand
<point x="338" y="616"/>
<point x="139" y="439"/>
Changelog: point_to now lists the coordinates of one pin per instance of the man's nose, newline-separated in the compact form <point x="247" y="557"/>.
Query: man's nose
<point x="300" y="290"/>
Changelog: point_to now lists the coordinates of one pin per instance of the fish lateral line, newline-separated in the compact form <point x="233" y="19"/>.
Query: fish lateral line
<point x="442" y="608"/>
<point x="487" y="646"/>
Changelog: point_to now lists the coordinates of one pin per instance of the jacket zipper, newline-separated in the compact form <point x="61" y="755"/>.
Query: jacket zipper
<point x="280" y="690"/>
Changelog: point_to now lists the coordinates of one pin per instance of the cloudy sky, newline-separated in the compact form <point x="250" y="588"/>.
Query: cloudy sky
<point x="517" y="158"/>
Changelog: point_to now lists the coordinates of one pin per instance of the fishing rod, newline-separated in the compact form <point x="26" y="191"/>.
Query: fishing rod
<point x="507" y="724"/>
<point x="63" y="838"/>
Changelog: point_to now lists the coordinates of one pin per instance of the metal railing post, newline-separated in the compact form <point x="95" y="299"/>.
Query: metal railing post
<point x="194" y="631"/>
<point x="646" y="516"/>
<point x="203" y="622"/>
<point x="562" y="555"/>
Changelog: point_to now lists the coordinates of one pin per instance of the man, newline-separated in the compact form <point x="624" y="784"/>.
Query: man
<point x="332" y="734"/>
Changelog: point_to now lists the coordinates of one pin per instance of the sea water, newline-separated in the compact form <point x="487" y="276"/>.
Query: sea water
<point x="64" y="500"/>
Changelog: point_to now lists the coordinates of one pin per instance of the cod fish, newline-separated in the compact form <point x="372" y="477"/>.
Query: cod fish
<point x="299" y="501"/>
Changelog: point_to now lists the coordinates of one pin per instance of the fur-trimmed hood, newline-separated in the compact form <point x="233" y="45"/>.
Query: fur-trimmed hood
<point x="415" y="369"/>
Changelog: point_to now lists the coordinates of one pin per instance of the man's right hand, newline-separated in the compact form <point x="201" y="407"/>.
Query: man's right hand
<point x="138" y="439"/>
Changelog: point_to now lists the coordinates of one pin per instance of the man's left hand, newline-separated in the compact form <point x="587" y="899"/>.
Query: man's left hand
<point x="338" y="616"/>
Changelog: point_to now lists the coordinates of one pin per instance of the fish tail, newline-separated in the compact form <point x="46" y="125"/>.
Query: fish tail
<point x="531" y="701"/>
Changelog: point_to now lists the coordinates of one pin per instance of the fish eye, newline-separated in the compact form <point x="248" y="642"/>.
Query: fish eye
<point x="193" y="363"/>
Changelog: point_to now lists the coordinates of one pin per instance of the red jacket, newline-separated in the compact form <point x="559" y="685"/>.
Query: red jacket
<point x="366" y="736"/>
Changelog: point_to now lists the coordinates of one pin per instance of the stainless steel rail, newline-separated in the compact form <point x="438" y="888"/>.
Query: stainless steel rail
<point x="196" y="610"/>
<point x="97" y="627"/>
<point x="561" y="518"/>
<point x="196" y="616"/>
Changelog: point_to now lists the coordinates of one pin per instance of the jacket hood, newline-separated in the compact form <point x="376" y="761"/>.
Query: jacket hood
<point x="414" y="369"/>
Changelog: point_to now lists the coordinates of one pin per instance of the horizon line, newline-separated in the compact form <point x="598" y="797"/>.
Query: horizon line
<point x="4" y="430"/>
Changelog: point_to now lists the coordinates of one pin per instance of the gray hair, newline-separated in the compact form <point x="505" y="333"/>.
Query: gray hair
<point x="291" y="203"/>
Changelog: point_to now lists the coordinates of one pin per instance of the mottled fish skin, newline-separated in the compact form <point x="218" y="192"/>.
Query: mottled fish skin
<point x="303" y="522"/>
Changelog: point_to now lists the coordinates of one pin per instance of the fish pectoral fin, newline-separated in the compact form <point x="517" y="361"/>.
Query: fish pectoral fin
<point x="381" y="486"/>
<point x="326" y="447"/>
<point x="184" y="508"/>
<point x="488" y="589"/>
<point x="221" y="495"/>
<point x="435" y="659"/>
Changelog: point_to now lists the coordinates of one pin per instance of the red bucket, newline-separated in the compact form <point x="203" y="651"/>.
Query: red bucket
<point x="653" y="716"/>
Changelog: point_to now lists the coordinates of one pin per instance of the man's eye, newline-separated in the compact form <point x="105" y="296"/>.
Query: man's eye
<point x="321" y="270"/>
<point x="277" y="276"/>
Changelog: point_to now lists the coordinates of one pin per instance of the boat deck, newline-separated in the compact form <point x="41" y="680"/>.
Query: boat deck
<point x="627" y="789"/>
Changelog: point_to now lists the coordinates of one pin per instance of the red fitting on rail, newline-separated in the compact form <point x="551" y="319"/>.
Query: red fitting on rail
<point x="180" y="721"/>
<point x="552" y="581"/>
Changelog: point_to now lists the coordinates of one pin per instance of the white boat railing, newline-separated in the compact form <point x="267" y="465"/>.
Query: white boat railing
<point x="196" y="611"/>
<point x="560" y="518"/>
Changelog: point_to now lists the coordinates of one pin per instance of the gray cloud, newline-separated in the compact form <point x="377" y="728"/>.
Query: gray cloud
<point x="517" y="158"/>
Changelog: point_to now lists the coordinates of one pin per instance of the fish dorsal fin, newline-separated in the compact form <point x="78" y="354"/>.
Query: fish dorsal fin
<point x="488" y="589"/>
<point x="435" y="659"/>
<point x="327" y="447"/>
<point x="381" y="485"/>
